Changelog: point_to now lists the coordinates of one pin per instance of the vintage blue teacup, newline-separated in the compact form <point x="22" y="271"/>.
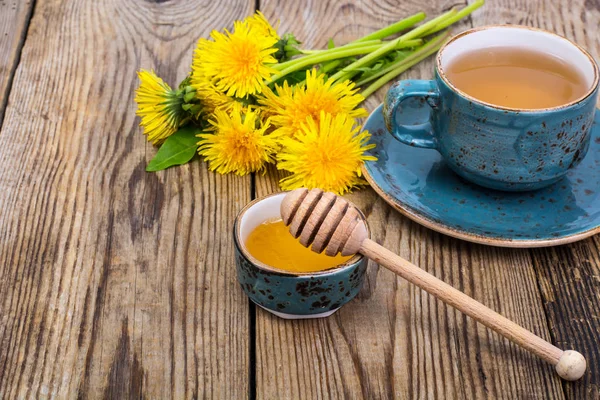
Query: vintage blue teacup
<point x="291" y="295"/>
<point x="497" y="147"/>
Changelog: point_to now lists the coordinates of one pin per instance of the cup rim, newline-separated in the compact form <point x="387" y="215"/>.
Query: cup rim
<point x="444" y="78"/>
<point x="356" y="259"/>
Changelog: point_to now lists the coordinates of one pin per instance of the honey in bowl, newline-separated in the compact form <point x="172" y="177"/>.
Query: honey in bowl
<point x="272" y="244"/>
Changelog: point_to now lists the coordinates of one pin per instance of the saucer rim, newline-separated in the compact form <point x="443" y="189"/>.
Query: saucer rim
<point x="462" y="234"/>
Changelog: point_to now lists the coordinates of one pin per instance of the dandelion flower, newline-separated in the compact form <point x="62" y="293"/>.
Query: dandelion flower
<point x="290" y="106"/>
<point x="212" y="99"/>
<point x="235" y="63"/>
<point x="159" y="107"/>
<point x="238" y="143"/>
<point x="326" y="154"/>
<point x="258" y="24"/>
<point x="209" y="97"/>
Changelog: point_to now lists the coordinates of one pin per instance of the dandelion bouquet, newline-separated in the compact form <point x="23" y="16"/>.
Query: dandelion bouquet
<point x="254" y="98"/>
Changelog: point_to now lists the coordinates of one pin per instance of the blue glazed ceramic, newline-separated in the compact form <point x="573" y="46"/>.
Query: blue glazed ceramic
<point x="420" y="185"/>
<point x="287" y="294"/>
<point x="498" y="147"/>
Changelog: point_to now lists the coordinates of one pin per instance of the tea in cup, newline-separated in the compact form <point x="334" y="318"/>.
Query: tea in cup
<point x="511" y="106"/>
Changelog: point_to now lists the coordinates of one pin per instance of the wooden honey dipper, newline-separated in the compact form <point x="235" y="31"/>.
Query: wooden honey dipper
<point x="333" y="224"/>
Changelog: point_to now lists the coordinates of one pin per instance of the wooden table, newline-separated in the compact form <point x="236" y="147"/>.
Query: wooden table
<point x="119" y="283"/>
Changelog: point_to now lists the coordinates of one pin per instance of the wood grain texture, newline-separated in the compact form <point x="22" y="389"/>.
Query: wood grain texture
<point x="318" y="224"/>
<point x="394" y="340"/>
<point x="114" y="282"/>
<point x="14" y="18"/>
<point x="568" y="276"/>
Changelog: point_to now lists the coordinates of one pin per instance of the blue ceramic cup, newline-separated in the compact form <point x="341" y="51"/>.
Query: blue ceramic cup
<point x="497" y="147"/>
<point x="291" y="295"/>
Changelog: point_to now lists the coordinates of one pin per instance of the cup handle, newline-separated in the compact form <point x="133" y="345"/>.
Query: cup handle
<point x="417" y="135"/>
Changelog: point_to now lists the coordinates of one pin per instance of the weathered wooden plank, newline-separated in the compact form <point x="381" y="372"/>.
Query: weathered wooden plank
<point x="14" y="18"/>
<point x="568" y="276"/>
<point x="113" y="282"/>
<point x="394" y="340"/>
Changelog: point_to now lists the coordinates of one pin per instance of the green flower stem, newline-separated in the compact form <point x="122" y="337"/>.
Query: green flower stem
<point x="457" y="17"/>
<point x="435" y="42"/>
<point x="335" y="54"/>
<point x="407" y="43"/>
<point x="350" y="45"/>
<point x="347" y="76"/>
<point x="393" y="28"/>
<point x="329" y="66"/>
<point x="415" y="33"/>
<point x="372" y="51"/>
<point x="376" y="37"/>
<point x="403" y="66"/>
<point x="427" y="26"/>
<point x="388" y="67"/>
<point x="338" y="52"/>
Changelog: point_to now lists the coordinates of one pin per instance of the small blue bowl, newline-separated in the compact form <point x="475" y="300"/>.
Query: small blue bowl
<point x="291" y="295"/>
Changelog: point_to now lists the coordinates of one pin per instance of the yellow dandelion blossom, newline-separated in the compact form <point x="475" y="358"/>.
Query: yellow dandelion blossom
<point x="290" y="106"/>
<point x="237" y="144"/>
<point x="159" y="107"/>
<point x="258" y="24"/>
<point x="326" y="154"/>
<point x="235" y="63"/>
<point x="212" y="99"/>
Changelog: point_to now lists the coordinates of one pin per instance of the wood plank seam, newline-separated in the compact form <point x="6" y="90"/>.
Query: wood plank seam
<point x="15" y="64"/>
<point x="251" y="306"/>
<point x="252" y="310"/>
<point x="553" y="338"/>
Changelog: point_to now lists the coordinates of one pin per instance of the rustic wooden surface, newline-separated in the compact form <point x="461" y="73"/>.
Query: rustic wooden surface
<point x="14" y="20"/>
<point x="116" y="283"/>
<point x="113" y="282"/>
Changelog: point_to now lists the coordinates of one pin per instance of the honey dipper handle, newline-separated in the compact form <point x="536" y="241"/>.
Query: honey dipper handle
<point x="570" y="365"/>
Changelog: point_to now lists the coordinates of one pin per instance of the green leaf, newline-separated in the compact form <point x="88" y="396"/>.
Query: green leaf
<point x="179" y="148"/>
<point x="295" y="77"/>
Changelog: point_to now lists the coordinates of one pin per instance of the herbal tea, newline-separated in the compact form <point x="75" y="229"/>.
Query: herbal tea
<point x="272" y="244"/>
<point x="516" y="78"/>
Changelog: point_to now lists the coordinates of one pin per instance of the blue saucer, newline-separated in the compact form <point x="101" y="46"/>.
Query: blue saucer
<point x="417" y="183"/>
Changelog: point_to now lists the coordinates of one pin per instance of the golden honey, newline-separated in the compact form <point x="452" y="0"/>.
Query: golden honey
<point x="272" y="244"/>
